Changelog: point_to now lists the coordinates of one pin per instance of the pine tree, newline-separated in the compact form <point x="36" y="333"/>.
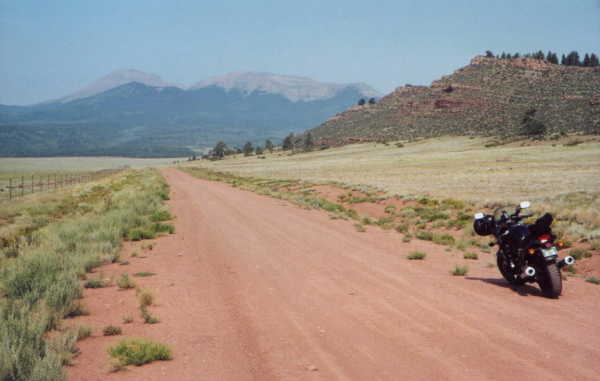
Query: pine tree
<point x="573" y="59"/>
<point x="288" y="142"/>
<point x="554" y="59"/>
<point x="594" y="60"/>
<point x="563" y="60"/>
<point x="219" y="150"/>
<point x="489" y="54"/>
<point x="586" y="60"/>
<point x="269" y="145"/>
<point x="361" y="101"/>
<point x="516" y="55"/>
<point x="372" y="101"/>
<point x="248" y="149"/>
<point x="258" y="150"/>
<point x="503" y="56"/>
<point x="308" y="142"/>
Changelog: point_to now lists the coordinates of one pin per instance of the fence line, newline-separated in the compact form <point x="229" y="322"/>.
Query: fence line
<point x="16" y="187"/>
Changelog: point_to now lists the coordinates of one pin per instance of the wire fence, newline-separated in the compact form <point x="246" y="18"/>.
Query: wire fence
<point x="12" y="188"/>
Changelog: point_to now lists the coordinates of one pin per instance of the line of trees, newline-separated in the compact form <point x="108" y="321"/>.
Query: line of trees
<point x="571" y="59"/>
<point x="304" y="143"/>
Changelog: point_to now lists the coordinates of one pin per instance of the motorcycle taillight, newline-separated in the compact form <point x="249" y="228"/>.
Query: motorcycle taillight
<point x="544" y="238"/>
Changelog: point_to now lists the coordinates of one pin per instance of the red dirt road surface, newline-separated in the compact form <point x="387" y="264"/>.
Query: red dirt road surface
<point x="253" y="288"/>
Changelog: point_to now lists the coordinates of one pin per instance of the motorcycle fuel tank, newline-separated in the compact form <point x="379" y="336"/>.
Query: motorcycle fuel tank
<point x="518" y="236"/>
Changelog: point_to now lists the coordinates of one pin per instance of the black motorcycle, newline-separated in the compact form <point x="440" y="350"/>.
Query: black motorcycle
<point x="527" y="252"/>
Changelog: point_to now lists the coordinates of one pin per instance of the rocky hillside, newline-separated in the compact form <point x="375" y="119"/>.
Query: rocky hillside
<point x="489" y="97"/>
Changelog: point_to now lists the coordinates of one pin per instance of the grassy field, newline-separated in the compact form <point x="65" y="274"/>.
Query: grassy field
<point x="12" y="166"/>
<point x="459" y="168"/>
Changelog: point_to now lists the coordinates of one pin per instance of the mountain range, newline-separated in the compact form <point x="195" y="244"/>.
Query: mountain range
<point x="488" y="97"/>
<point x="133" y="113"/>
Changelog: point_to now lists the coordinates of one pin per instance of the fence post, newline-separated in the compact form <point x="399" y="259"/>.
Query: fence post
<point x="10" y="188"/>
<point x="32" y="184"/>
<point x="48" y="185"/>
<point x="22" y="185"/>
<point x="55" y="181"/>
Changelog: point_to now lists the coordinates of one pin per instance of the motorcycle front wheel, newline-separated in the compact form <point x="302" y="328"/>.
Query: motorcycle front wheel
<point x="550" y="281"/>
<point x="507" y="271"/>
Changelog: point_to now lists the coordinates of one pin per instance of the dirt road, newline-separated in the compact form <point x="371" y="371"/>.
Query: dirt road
<point x="259" y="289"/>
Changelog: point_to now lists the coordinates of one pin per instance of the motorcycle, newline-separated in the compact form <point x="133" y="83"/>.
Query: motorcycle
<point x="527" y="253"/>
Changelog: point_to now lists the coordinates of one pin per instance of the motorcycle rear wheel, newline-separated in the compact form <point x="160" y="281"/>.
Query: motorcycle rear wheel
<point x="550" y="281"/>
<point x="507" y="272"/>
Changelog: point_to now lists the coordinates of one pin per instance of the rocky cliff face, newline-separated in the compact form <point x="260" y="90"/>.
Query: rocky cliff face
<point x="487" y="97"/>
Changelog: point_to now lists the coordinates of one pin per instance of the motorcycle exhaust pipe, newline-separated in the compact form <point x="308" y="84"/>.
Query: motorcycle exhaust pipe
<point x="529" y="272"/>
<point x="566" y="261"/>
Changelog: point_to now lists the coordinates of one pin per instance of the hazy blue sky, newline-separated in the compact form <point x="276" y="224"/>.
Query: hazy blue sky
<point x="51" y="48"/>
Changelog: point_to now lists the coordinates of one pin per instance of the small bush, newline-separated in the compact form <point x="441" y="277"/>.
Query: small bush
<point x="390" y="209"/>
<point x="460" y="270"/>
<point x="125" y="282"/>
<point x="94" y="284"/>
<point x="470" y="256"/>
<point x="124" y="263"/>
<point x="139" y="352"/>
<point x="146" y="298"/>
<point x="139" y="234"/>
<point x="578" y="253"/>
<point x="161" y="215"/>
<point x="402" y="228"/>
<point x="83" y="331"/>
<point x="425" y="236"/>
<point x="143" y="274"/>
<point x="444" y="239"/>
<point x="77" y="309"/>
<point x="147" y="316"/>
<point x="111" y="330"/>
<point x="592" y="280"/>
<point x="416" y="255"/>
<point x="359" y="228"/>
<point x="128" y="319"/>
<point x="407" y="238"/>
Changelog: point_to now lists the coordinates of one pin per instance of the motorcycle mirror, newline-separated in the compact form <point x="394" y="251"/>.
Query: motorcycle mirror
<point x="525" y="204"/>
<point x="479" y="216"/>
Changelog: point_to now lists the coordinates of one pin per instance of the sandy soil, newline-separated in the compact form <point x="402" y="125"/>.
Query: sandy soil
<point x="253" y="288"/>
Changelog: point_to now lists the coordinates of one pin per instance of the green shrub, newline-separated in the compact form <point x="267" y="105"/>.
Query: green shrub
<point x="139" y="352"/>
<point x="444" y="239"/>
<point x="592" y="280"/>
<point x="460" y="270"/>
<point x="125" y="282"/>
<point x="147" y="316"/>
<point x="139" y="234"/>
<point x="390" y="209"/>
<point x="470" y="256"/>
<point x="416" y="255"/>
<point x="144" y="274"/>
<point x="425" y="236"/>
<point x="161" y="215"/>
<point x="402" y="228"/>
<point x="578" y="253"/>
<point x="94" y="284"/>
<point x="111" y="330"/>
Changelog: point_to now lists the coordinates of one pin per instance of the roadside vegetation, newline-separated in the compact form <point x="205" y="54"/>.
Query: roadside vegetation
<point x="48" y="245"/>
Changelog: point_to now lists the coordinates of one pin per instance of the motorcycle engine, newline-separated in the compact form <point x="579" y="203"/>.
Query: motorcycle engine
<point x="518" y="236"/>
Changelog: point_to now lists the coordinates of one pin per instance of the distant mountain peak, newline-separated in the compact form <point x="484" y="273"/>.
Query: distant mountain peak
<point x="295" y="88"/>
<point x="114" y="79"/>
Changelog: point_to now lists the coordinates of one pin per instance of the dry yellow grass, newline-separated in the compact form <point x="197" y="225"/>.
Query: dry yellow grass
<point x="460" y="168"/>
